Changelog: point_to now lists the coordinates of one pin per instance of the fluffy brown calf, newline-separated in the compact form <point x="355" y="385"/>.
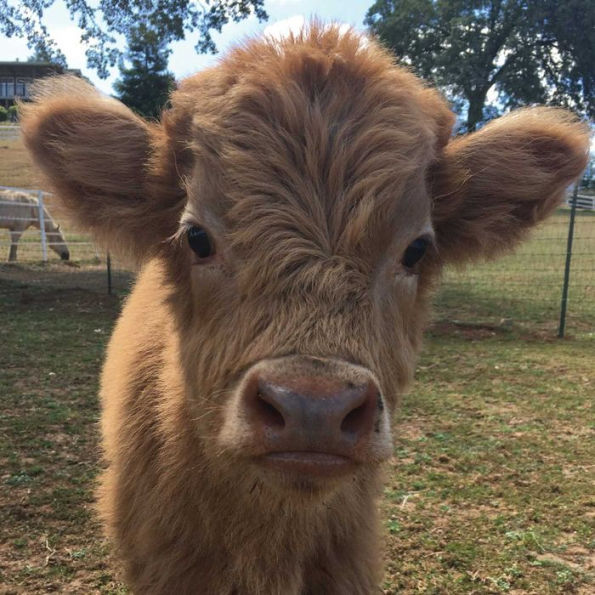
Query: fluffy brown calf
<point x="291" y="214"/>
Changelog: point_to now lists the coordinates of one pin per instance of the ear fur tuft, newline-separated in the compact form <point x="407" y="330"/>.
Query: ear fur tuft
<point x="96" y="155"/>
<point x="491" y="186"/>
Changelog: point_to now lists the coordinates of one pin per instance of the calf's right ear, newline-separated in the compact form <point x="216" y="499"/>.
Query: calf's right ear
<point x="112" y="172"/>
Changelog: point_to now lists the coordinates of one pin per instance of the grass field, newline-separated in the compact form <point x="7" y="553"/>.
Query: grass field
<point x="489" y="489"/>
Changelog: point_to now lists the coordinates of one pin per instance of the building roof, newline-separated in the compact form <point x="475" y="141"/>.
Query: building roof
<point x="35" y="68"/>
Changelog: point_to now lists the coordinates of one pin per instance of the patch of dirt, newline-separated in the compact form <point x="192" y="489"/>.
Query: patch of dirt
<point x="467" y="330"/>
<point x="62" y="278"/>
<point x="478" y="331"/>
<point x="408" y="431"/>
<point x="558" y="560"/>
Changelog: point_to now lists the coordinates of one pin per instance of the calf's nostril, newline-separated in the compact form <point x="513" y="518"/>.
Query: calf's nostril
<point x="269" y="414"/>
<point x="353" y="420"/>
<point x="359" y="420"/>
<point x="356" y="420"/>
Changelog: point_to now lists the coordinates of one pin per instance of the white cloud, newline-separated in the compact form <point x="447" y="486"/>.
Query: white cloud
<point x="284" y="28"/>
<point x="295" y="24"/>
<point x="68" y="39"/>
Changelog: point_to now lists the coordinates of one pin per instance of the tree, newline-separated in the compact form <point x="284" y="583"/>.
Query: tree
<point x="42" y="55"/>
<point x="145" y="86"/>
<point x="100" y="21"/>
<point x="524" y="51"/>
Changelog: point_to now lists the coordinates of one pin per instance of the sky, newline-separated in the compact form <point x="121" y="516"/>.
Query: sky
<point x="283" y="14"/>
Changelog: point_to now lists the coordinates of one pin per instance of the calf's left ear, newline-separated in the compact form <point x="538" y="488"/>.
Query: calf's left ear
<point x="489" y="187"/>
<point x="112" y="172"/>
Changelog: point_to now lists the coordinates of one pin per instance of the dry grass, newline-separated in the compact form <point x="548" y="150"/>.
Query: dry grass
<point x="16" y="168"/>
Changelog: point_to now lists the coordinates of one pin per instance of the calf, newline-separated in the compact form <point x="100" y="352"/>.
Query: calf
<point x="291" y="214"/>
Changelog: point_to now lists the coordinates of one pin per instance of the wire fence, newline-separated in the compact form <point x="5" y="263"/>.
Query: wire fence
<point x="34" y="234"/>
<point x="9" y="132"/>
<point x="547" y="283"/>
<point x="524" y="288"/>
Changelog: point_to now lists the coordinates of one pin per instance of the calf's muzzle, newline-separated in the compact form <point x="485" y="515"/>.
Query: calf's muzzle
<point x="310" y="415"/>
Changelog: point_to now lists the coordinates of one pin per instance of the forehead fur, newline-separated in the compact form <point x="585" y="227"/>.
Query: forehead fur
<point x="315" y="137"/>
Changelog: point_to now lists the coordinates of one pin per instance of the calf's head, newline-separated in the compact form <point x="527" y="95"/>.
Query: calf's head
<point x="299" y="201"/>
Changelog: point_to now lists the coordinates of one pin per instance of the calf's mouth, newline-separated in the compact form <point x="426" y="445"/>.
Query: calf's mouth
<point x="319" y="465"/>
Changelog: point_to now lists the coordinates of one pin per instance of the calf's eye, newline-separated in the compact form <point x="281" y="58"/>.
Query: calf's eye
<point x="414" y="252"/>
<point x="200" y="242"/>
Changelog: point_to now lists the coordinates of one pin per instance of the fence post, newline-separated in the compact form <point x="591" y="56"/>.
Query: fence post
<point x="564" y="303"/>
<point x="44" y="246"/>
<point x="109" y="274"/>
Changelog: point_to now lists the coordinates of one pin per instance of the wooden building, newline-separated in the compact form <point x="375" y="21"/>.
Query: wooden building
<point x="16" y="78"/>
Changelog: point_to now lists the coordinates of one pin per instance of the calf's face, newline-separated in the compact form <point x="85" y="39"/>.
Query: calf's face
<point x="301" y="199"/>
<point x="304" y="238"/>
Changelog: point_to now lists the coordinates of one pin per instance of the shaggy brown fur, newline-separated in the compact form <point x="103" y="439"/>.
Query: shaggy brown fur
<point x="313" y="163"/>
<point x="18" y="212"/>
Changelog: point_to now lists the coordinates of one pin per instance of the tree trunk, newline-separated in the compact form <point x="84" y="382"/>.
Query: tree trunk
<point x="476" y="104"/>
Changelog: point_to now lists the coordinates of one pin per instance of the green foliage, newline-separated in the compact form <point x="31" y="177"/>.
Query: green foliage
<point x="171" y="19"/>
<point x="13" y="113"/>
<point x="145" y="86"/>
<point x="42" y="54"/>
<point x="3" y="114"/>
<point x="528" y="51"/>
